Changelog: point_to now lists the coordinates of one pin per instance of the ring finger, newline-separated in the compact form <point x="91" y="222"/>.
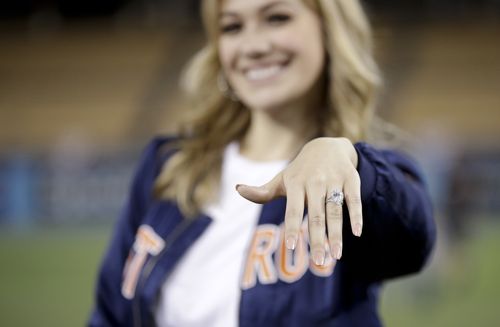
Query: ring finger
<point x="334" y="201"/>
<point x="316" y="219"/>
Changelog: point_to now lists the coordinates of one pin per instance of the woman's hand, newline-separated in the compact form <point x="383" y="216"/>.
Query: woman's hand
<point x="324" y="165"/>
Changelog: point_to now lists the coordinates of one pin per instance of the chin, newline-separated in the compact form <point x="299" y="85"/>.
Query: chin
<point x="266" y="105"/>
<point x="269" y="100"/>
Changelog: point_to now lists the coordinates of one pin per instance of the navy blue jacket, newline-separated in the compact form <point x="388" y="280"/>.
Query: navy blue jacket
<point x="398" y="235"/>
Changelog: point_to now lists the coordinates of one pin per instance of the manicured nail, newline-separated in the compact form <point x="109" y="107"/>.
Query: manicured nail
<point x="337" y="251"/>
<point x="291" y="242"/>
<point x="319" y="257"/>
<point x="357" y="229"/>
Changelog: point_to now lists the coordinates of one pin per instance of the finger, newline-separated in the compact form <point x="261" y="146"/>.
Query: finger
<point x="295" y="198"/>
<point x="334" y="224"/>
<point x="352" y="190"/>
<point x="316" y="220"/>
<point x="265" y="193"/>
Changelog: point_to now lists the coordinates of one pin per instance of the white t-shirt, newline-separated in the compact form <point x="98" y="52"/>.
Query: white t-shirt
<point x="204" y="288"/>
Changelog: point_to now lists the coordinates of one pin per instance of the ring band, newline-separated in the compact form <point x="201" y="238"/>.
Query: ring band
<point x="336" y="197"/>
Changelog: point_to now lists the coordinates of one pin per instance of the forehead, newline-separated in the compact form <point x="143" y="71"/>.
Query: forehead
<point x="234" y="6"/>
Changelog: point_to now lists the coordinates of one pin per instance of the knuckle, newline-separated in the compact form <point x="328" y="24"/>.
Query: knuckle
<point x="292" y="213"/>
<point x="354" y="199"/>
<point x="316" y="221"/>
<point x="291" y="231"/>
<point x="317" y="245"/>
<point x="317" y="180"/>
<point x="291" y="178"/>
<point x="335" y="212"/>
<point x="335" y="238"/>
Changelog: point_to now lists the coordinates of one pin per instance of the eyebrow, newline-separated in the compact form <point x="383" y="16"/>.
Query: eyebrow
<point x="260" y="10"/>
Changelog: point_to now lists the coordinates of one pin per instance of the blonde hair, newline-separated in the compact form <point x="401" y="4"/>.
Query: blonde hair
<point x="191" y="177"/>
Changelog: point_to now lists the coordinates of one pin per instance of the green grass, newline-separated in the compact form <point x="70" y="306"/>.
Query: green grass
<point x="47" y="279"/>
<point x="460" y="288"/>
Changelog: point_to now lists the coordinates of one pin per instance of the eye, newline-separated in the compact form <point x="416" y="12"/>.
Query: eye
<point x="278" y="18"/>
<point x="230" y="28"/>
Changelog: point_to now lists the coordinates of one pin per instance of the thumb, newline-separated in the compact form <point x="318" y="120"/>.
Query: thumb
<point x="264" y="193"/>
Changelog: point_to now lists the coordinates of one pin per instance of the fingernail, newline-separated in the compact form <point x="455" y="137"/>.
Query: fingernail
<point x="237" y="186"/>
<point x="337" y="251"/>
<point x="319" y="257"/>
<point x="357" y="229"/>
<point x="291" y="242"/>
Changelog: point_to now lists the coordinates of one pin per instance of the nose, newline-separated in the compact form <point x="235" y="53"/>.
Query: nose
<point x="255" y="44"/>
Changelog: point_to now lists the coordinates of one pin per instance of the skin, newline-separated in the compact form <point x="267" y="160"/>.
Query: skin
<point x="272" y="54"/>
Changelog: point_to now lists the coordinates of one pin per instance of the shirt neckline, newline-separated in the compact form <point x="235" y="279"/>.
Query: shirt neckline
<point x="233" y="153"/>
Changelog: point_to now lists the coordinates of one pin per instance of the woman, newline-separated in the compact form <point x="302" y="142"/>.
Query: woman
<point x="284" y="91"/>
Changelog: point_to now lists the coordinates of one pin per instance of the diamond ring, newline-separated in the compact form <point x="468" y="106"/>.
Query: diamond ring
<point x="336" y="197"/>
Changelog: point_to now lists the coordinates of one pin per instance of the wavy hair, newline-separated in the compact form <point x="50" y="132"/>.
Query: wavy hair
<point x="191" y="177"/>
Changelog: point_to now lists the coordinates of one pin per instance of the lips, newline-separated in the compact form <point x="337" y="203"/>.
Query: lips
<point x="261" y="73"/>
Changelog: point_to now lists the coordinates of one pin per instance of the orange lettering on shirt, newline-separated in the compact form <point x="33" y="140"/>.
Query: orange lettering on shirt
<point x="259" y="263"/>
<point x="146" y="242"/>
<point x="327" y="269"/>
<point x="292" y="264"/>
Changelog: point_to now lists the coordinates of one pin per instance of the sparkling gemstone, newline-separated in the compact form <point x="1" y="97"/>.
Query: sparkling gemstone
<point x="337" y="197"/>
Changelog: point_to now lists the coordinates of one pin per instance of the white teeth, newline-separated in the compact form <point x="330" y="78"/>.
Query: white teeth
<point x="257" y="74"/>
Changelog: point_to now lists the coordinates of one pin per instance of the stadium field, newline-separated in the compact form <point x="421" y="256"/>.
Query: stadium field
<point x="47" y="279"/>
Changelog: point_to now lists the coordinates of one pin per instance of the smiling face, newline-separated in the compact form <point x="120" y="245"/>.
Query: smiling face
<point x="271" y="51"/>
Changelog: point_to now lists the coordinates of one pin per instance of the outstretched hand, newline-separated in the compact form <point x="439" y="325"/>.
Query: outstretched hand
<point x="324" y="165"/>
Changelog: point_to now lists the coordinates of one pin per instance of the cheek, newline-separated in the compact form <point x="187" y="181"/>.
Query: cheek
<point x="226" y="54"/>
<point x="311" y="53"/>
<point x="304" y="42"/>
<point x="289" y="40"/>
<point x="315" y="55"/>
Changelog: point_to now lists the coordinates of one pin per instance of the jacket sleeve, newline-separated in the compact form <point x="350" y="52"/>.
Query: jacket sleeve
<point x="398" y="225"/>
<point x="111" y="308"/>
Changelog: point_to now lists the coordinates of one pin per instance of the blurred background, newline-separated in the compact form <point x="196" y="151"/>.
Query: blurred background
<point x="85" y="84"/>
